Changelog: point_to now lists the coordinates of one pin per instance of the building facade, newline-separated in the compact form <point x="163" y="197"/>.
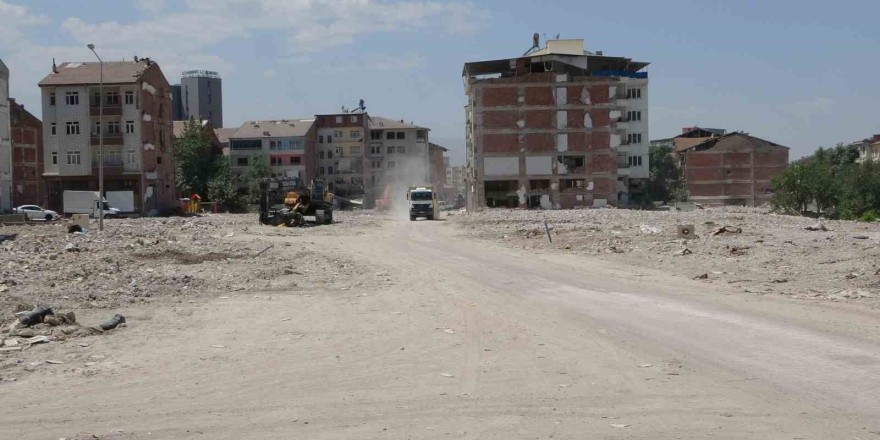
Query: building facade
<point x="138" y="155"/>
<point x="733" y="169"/>
<point x="5" y="142"/>
<point x="28" y="186"/>
<point x="869" y="149"/>
<point x="344" y="155"/>
<point x="201" y="96"/>
<point x="287" y="146"/>
<point x="437" y="166"/>
<point x="399" y="154"/>
<point x="559" y="127"/>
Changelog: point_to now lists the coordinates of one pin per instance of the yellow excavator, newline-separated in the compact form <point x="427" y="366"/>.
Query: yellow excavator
<point x="297" y="202"/>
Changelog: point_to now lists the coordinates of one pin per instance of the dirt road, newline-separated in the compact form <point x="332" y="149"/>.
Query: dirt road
<point x="449" y="338"/>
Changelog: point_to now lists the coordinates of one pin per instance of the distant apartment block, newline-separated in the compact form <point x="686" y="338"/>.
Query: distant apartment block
<point x="399" y="154"/>
<point x="287" y="146"/>
<point x="558" y="127"/>
<point x="344" y="158"/>
<point x="137" y="132"/>
<point x="199" y="96"/>
<point x="28" y="185"/>
<point x="869" y="149"/>
<point x="437" y="164"/>
<point x="5" y="142"/>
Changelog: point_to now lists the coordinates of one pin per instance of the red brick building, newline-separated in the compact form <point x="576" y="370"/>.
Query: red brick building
<point x="548" y="129"/>
<point x="28" y="186"/>
<point x="734" y="169"/>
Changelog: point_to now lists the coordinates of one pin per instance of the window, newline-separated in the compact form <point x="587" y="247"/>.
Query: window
<point x="329" y="139"/>
<point x="391" y="164"/>
<point x="272" y="145"/>
<point x="320" y="155"/>
<point x="129" y="98"/>
<point x="53" y="129"/>
<point x="635" y="161"/>
<point x="321" y="171"/>
<point x="97" y="129"/>
<point x="634" y="138"/>
<point x="421" y="135"/>
<point x="338" y="151"/>
<point x="275" y="161"/>
<point x="634" y="93"/>
<point x="329" y="170"/>
<point x="634" y="115"/>
<point x="356" y="151"/>
<point x="96" y="99"/>
<point x="390" y="150"/>
<point x="354" y="134"/>
<point x="339" y="119"/>
<point x="112" y="98"/>
<point x="246" y="144"/>
<point x="401" y="150"/>
<point x="375" y="150"/>
<point x="71" y="98"/>
<point x="337" y="134"/>
<point x="113" y="127"/>
<point x="54" y="158"/>
<point x="375" y="135"/>
<point x="73" y="158"/>
<point x="321" y="139"/>
<point x="52" y="98"/>
<point x="401" y="135"/>
<point x="329" y="155"/>
<point x="159" y="160"/>
<point x="73" y="128"/>
<point x="295" y="160"/>
<point x="354" y="119"/>
<point x="130" y="156"/>
<point x="241" y="161"/>
<point x="389" y="135"/>
<point x="377" y="163"/>
<point x="129" y="127"/>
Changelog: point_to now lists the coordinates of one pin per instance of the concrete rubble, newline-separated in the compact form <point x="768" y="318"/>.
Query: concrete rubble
<point x="749" y="249"/>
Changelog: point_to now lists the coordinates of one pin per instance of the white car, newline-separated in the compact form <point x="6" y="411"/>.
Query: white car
<point x="34" y="212"/>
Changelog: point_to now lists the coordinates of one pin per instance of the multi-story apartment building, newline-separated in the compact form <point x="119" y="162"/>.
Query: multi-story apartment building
<point x="138" y="155"/>
<point x="28" y="186"/>
<point x="287" y="146"/>
<point x="399" y="154"/>
<point x="558" y="127"/>
<point x="344" y="155"/>
<point x="199" y="96"/>
<point x="5" y="142"/>
<point x="869" y="149"/>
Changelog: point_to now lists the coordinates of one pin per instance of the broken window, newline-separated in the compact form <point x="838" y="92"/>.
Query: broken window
<point x="572" y="184"/>
<point x="501" y="193"/>
<point x="539" y="185"/>
<point x="570" y="164"/>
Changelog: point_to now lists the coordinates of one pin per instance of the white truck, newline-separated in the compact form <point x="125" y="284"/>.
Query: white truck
<point x="423" y="202"/>
<point x="88" y="202"/>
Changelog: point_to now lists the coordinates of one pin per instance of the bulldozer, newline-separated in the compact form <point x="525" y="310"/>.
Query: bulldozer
<point x="286" y="201"/>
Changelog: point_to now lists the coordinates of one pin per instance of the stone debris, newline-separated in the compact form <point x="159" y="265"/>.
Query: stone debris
<point x="770" y="251"/>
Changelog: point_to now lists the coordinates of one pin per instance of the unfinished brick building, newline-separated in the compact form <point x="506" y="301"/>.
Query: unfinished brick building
<point x="558" y="127"/>
<point x="734" y="169"/>
<point x="28" y="185"/>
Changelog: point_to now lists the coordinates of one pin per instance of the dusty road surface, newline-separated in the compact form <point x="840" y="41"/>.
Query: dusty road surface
<point x="436" y="336"/>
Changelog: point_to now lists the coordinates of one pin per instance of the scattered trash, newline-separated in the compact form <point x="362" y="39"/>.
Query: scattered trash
<point x="684" y="251"/>
<point x="819" y="226"/>
<point x="74" y="228"/>
<point x="686" y="232"/>
<point x="649" y="229"/>
<point x="264" y="250"/>
<point x="447" y="375"/>
<point x="726" y="229"/>
<point x="54" y="362"/>
<point x="703" y="276"/>
<point x="218" y="346"/>
<point x="736" y="251"/>
<point x="37" y="340"/>
<point x="646" y="365"/>
<point x="449" y="330"/>
<point x="231" y="234"/>
<point x="779" y="280"/>
<point x="620" y="425"/>
<point x="115" y="321"/>
<point x="860" y="237"/>
<point x="71" y="247"/>
<point x="851" y="276"/>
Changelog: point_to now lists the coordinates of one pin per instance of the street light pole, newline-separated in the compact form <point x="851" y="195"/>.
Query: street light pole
<point x="100" y="142"/>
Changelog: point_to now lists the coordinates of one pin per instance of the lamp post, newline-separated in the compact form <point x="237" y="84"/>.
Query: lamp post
<point x="100" y="141"/>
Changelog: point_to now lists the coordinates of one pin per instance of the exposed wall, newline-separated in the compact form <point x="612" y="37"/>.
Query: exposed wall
<point x="739" y="177"/>
<point x="28" y="187"/>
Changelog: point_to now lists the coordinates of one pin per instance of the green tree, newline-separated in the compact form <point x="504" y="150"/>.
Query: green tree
<point x="861" y="191"/>
<point x="222" y="188"/>
<point x="257" y="169"/>
<point x="665" y="180"/>
<point x="791" y="191"/>
<point x="196" y="165"/>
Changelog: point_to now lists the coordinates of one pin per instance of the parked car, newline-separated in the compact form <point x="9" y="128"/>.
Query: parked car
<point x="34" y="212"/>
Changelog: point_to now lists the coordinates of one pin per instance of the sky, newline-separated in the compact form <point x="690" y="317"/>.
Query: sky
<point x="801" y="74"/>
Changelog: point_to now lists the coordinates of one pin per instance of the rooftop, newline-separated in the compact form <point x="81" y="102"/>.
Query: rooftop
<point x="223" y="134"/>
<point x="379" y="123"/>
<point x="274" y="128"/>
<point x="736" y="141"/>
<point x="115" y="72"/>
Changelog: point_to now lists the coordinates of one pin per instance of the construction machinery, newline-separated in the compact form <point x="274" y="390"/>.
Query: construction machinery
<point x="286" y="201"/>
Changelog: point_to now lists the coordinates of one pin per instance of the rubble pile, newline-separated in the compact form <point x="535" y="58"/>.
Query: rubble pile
<point x="748" y="248"/>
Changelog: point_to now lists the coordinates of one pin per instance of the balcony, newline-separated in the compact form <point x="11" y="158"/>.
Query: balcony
<point x="112" y="167"/>
<point x="109" y="110"/>
<point x="110" y="139"/>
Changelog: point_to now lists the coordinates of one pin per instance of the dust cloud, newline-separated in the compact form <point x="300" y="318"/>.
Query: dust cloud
<point x="408" y="170"/>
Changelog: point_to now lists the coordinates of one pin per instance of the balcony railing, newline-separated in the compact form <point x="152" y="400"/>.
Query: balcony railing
<point x="110" y="139"/>
<point x="109" y="110"/>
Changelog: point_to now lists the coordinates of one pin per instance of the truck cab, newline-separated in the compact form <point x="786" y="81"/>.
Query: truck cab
<point x="423" y="202"/>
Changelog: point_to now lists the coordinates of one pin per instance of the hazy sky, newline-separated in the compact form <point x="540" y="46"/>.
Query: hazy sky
<point x="799" y="73"/>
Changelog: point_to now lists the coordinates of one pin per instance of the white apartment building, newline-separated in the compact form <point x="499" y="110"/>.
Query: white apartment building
<point x="632" y="138"/>
<point x="136" y="127"/>
<point x="399" y="153"/>
<point x="5" y="142"/>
